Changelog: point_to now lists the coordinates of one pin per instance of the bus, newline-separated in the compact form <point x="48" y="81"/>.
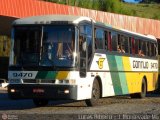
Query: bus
<point x="64" y="57"/>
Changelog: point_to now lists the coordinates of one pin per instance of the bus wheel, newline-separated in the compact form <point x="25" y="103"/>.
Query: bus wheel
<point x="143" y="92"/>
<point x="95" y="94"/>
<point x="40" y="102"/>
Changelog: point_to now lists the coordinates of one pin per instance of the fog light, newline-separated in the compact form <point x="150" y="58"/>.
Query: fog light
<point x="13" y="90"/>
<point x="66" y="91"/>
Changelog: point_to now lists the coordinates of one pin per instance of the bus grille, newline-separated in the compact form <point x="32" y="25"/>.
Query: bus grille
<point x="37" y="81"/>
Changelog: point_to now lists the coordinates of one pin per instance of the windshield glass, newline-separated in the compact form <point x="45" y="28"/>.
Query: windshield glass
<point x="44" y="46"/>
<point x="27" y="45"/>
<point x="58" y="46"/>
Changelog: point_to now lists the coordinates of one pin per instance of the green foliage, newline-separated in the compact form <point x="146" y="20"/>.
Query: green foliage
<point x="117" y="6"/>
<point x="96" y="4"/>
<point x="151" y="1"/>
<point x="156" y="16"/>
<point x="4" y="46"/>
<point x="85" y="3"/>
<point x="112" y="5"/>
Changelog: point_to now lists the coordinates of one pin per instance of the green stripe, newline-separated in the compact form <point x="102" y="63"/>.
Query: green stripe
<point x="114" y="75"/>
<point x="46" y="75"/>
<point x="122" y="75"/>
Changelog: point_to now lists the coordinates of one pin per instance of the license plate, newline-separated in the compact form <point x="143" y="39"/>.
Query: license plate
<point x="38" y="90"/>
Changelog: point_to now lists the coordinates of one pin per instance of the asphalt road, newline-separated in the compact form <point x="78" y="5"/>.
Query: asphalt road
<point x="118" y="108"/>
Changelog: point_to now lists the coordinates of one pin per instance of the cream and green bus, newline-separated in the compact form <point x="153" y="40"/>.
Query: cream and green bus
<point x="60" y="57"/>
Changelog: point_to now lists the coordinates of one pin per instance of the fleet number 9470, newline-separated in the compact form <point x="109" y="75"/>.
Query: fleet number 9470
<point x="22" y="74"/>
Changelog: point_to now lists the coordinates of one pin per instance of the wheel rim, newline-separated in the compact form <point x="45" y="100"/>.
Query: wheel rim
<point x="94" y="93"/>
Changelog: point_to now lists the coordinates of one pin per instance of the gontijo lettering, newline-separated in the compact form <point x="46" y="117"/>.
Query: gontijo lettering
<point x="140" y="64"/>
<point x="144" y="65"/>
<point x="154" y="65"/>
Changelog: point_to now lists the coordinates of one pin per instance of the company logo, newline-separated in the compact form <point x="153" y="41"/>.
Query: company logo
<point x="100" y="62"/>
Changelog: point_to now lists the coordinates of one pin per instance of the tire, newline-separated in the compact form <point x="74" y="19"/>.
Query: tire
<point x="40" y="102"/>
<point x="143" y="92"/>
<point x="96" y="93"/>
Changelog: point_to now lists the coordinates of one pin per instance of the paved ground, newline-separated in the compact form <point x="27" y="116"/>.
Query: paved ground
<point x="121" y="107"/>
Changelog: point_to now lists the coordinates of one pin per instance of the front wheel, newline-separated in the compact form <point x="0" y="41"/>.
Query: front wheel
<point x="95" y="94"/>
<point x="40" y="102"/>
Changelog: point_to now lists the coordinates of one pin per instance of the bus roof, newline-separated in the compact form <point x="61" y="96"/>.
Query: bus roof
<point x="140" y="35"/>
<point x="48" y="19"/>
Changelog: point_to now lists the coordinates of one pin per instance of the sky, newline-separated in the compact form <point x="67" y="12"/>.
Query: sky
<point x="132" y="1"/>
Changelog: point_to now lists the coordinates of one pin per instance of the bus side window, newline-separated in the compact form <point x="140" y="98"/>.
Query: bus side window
<point x="132" y="45"/>
<point x="144" y="48"/>
<point x="147" y="48"/>
<point x="125" y="45"/>
<point x="114" y="41"/>
<point x="136" y="46"/>
<point x="109" y="42"/>
<point x="99" y="39"/>
<point x="141" y="49"/>
<point x="153" y="49"/>
<point x="106" y="39"/>
<point x="119" y="44"/>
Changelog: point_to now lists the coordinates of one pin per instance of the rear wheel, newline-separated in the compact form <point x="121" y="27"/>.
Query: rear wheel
<point x="95" y="94"/>
<point x="40" y="102"/>
<point x="143" y="92"/>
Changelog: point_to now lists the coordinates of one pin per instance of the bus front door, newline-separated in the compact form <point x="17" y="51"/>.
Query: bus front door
<point x="83" y="55"/>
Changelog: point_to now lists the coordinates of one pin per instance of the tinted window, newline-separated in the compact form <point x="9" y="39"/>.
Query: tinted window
<point x="114" y="40"/>
<point x="136" y="46"/>
<point x="99" y="38"/>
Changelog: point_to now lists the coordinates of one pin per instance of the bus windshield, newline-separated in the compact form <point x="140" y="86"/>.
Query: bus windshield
<point x="44" y="46"/>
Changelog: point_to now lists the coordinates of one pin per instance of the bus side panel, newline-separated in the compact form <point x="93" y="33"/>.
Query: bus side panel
<point x="123" y="75"/>
<point x="84" y="90"/>
<point x="152" y="81"/>
<point x="143" y="68"/>
<point x="100" y="67"/>
<point x="118" y="76"/>
<point x="133" y="78"/>
<point x="107" y="85"/>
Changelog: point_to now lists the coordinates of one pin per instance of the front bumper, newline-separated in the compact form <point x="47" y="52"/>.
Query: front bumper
<point x="42" y="91"/>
